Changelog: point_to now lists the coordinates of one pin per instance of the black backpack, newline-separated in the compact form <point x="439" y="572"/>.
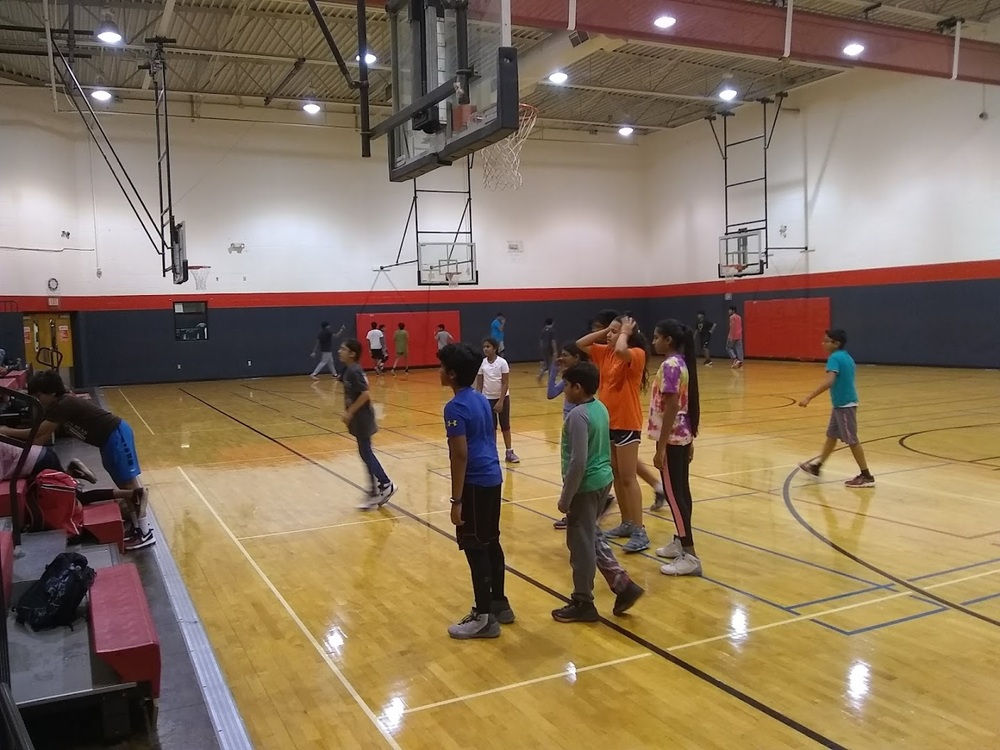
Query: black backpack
<point x="54" y="599"/>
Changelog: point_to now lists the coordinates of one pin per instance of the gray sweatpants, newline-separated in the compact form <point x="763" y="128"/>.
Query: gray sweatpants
<point x="588" y="549"/>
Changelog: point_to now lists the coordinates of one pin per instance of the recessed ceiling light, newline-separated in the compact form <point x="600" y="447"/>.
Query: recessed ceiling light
<point x="626" y="130"/>
<point x="728" y="94"/>
<point x="369" y="58"/>
<point x="101" y="95"/>
<point x="854" y="49"/>
<point x="107" y="31"/>
<point x="558" y="77"/>
<point x="664" y="22"/>
<point x="311" y="107"/>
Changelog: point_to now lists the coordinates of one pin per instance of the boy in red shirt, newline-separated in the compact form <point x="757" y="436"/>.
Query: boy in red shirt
<point x="734" y="341"/>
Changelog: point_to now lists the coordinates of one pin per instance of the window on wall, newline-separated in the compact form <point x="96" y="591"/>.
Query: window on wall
<point x="191" y="321"/>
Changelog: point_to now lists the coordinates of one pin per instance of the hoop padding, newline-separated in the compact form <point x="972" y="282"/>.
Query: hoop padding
<point x="200" y="274"/>
<point x="502" y="160"/>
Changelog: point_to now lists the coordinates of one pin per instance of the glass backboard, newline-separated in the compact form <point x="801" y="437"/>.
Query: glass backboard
<point x="454" y="82"/>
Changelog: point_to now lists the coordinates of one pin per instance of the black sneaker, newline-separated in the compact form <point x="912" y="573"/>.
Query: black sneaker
<point x="502" y="611"/>
<point x="812" y="469"/>
<point x="576" y="611"/>
<point x="140" y="541"/>
<point x="560" y="524"/>
<point x="628" y="597"/>
<point x="76" y="468"/>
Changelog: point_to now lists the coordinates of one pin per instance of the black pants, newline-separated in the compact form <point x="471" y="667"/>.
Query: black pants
<point x="677" y="487"/>
<point x="479" y="538"/>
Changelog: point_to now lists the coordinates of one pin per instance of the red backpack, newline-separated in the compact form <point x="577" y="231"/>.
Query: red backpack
<point x="52" y="504"/>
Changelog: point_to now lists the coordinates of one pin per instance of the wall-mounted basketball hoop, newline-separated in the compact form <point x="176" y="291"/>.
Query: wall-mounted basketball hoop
<point x="200" y="274"/>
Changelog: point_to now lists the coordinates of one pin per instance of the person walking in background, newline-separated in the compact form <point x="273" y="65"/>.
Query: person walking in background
<point x="359" y="416"/>
<point x="401" y="339"/>
<point x="734" y="340"/>
<point x="548" y="348"/>
<point x="497" y="331"/>
<point x="324" y="348"/>
<point x="493" y="381"/>
<point x="840" y="369"/>
<point x="375" y="339"/>
<point x="703" y="330"/>
<point x="385" y="344"/>
<point x="442" y="337"/>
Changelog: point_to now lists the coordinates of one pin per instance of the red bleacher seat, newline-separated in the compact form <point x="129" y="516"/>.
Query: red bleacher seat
<point x="7" y="564"/>
<point x="104" y="521"/>
<point x="20" y="378"/>
<point x="122" y="633"/>
<point x="22" y="495"/>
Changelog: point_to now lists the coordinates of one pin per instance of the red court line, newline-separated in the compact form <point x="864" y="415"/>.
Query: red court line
<point x="937" y="272"/>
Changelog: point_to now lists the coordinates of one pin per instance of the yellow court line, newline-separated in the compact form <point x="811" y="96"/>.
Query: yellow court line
<point x="942" y="492"/>
<point x="390" y="741"/>
<point x="535" y="681"/>
<point x="835" y="610"/>
<point x="127" y="401"/>
<point x="745" y="471"/>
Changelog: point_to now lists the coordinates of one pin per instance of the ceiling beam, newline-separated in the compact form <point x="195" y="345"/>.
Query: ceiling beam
<point x="758" y="29"/>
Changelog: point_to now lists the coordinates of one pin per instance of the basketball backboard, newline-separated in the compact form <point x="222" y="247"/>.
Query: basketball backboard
<point x="454" y="82"/>
<point x="742" y="253"/>
<point x="447" y="264"/>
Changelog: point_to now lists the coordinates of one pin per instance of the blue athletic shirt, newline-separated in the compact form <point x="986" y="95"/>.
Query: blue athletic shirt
<point x="469" y="414"/>
<point x="496" y="332"/>
<point x="843" y="392"/>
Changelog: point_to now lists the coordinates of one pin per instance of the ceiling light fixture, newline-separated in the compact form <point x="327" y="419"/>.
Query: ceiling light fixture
<point x="108" y="32"/>
<point x="370" y="59"/>
<point x="559" y="77"/>
<point x="664" y="22"/>
<point x="311" y="107"/>
<point x="728" y="93"/>
<point x="101" y="95"/>
<point x="626" y="131"/>
<point x="854" y="49"/>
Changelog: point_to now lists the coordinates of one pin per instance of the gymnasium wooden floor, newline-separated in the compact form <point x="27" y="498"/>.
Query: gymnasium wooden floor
<point x="830" y="617"/>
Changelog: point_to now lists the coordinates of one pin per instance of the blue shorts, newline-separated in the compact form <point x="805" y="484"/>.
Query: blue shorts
<point x="119" y="457"/>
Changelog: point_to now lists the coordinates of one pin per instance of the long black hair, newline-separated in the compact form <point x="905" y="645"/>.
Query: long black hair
<point x="573" y="350"/>
<point x="682" y="337"/>
<point x="638" y="340"/>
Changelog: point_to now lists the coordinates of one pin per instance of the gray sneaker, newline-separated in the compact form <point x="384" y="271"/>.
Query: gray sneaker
<point x="621" y="531"/>
<point x="475" y="625"/>
<point x="503" y="612"/>
<point x="672" y="551"/>
<point x="638" y="541"/>
<point x="685" y="565"/>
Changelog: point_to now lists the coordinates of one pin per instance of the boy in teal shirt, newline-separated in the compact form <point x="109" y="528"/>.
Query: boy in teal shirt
<point x="587" y="480"/>
<point x="844" y="417"/>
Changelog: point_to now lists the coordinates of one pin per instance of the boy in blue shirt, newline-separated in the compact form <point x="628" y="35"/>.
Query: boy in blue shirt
<point x="844" y="417"/>
<point x="476" y="482"/>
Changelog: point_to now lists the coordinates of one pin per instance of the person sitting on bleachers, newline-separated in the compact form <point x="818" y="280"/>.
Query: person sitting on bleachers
<point x="93" y="425"/>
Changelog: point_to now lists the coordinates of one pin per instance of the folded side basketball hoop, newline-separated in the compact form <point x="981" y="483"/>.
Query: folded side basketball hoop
<point x="200" y="274"/>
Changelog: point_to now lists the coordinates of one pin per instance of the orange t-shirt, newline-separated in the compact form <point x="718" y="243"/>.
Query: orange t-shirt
<point x="621" y="382"/>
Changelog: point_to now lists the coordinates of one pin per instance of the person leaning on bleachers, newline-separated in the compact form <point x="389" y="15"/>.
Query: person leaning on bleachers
<point x="101" y="429"/>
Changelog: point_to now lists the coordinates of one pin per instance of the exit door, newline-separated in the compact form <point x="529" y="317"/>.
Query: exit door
<point x="48" y="342"/>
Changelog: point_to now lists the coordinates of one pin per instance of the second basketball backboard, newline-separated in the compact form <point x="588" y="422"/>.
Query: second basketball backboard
<point x="454" y="82"/>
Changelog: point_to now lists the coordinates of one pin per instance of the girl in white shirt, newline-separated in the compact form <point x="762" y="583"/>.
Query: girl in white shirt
<point x="493" y="381"/>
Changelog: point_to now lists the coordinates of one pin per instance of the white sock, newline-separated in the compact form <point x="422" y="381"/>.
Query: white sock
<point x="143" y="525"/>
<point x="659" y="488"/>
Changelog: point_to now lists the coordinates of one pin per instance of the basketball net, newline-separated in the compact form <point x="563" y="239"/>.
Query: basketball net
<point x="502" y="160"/>
<point x="200" y="274"/>
<point x="452" y="279"/>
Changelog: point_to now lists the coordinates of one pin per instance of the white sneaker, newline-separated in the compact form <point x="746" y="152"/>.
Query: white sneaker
<point x="685" y="565"/>
<point x="672" y="550"/>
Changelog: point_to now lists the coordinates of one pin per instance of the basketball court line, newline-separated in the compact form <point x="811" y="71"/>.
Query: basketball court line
<point x="132" y="407"/>
<point x="514" y="685"/>
<point x="339" y="525"/>
<point x="390" y="741"/>
<point x="663" y="653"/>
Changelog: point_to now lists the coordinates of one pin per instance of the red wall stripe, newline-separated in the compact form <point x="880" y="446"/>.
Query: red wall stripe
<point x="961" y="271"/>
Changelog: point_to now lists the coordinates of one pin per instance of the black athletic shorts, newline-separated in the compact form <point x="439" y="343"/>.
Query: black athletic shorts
<point x="504" y="416"/>
<point x="480" y="516"/>
<point x="705" y="340"/>
<point x="621" y="438"/>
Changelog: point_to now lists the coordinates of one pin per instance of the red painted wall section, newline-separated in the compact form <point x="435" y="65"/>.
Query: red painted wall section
<point x="786" y="328"/>
<point x="422" y="327"/>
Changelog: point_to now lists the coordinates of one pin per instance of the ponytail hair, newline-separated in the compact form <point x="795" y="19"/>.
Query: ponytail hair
<point x="682" y="340"/>
<point x="638" y="340"/>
